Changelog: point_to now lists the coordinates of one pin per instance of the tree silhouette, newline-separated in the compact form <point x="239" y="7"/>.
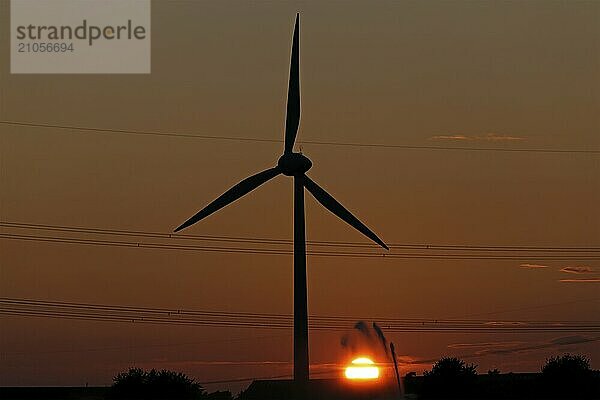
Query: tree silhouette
<point x="452" y="367"/>
<point x="139" y="384"/>
<point x="569" y="375"/>
<point x="566" y="365"/>
<point x="449" y="377"/>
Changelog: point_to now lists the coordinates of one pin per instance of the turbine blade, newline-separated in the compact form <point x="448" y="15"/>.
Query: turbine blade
<point x="293" y="101"/>
<point x="335" y="207"/>
<point x="232" y="195"/>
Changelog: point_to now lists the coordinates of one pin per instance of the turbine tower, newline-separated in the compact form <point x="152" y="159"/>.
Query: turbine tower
<point x="295" y="165"/>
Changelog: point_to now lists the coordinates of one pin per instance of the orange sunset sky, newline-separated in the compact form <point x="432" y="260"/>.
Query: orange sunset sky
<point x="486" y="75"/>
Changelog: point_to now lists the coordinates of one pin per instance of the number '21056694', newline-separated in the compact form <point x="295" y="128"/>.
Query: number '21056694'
<point x="37" y="47"/>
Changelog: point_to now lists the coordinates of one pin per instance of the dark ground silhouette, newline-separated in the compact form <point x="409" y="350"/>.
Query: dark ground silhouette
<point x="563" y="377"/>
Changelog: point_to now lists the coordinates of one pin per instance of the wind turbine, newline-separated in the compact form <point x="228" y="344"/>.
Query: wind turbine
<point x="295" y="165"/>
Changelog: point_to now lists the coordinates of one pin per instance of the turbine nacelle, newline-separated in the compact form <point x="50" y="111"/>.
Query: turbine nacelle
<point x="292" y="164"/>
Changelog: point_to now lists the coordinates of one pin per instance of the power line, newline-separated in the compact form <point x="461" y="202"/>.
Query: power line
<point x="266" y="246"/>
<point x="264" y="251"/>
<point x="388" y="328"/>
<point x="330" y="370"/>
<point x="137" y="132"/>
<point x="431" y="327"/>
<point x="219" y="313"/>
<point x="274" y="241"/>
<point x="309" y="142"/>
<point x="127" y="314"/>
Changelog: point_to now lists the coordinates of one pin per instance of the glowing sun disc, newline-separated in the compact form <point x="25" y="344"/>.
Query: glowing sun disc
<point x="362" y="368"/>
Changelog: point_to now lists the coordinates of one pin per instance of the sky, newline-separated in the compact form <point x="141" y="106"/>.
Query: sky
<point x="502" y="75"/>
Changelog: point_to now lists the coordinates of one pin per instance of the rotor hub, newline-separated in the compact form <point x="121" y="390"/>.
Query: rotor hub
<point x="294" y="164"/>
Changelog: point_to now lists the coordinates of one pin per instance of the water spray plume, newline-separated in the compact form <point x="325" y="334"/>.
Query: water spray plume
<point x="381" y="337"/>
<point x="400" y="388"/>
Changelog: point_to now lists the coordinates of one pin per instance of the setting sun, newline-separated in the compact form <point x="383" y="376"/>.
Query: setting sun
<point x="362" y="368"/>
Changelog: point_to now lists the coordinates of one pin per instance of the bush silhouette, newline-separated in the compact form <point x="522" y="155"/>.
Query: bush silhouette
<point x="566" y="365"/>
<point x="139" y="384"/>
<point x="449" y="377"/>
<point x="568" y="375"/>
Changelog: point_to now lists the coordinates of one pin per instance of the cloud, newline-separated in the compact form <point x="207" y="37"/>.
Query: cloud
<point x="485" y="345"/>
<point x="520" y="347"/>
<point x="503" y="323"/>
<point x="578" y="270"/>
<point x="488" y="137"/>
<point x="570" y="270"/>
<point x="574" y="339"/>
<point x="407" y="359"/>
<point x="533" y="266"/>
<point x="449" y="137"/>
<point x="582" y="280"/>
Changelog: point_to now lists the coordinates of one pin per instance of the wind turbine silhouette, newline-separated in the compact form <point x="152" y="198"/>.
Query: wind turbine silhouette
<point x="296" y="165"/>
